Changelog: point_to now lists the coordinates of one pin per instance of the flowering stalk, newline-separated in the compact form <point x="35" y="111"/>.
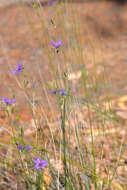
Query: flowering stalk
<point x="9" y="105"/>
<point x="39" y="165"/>
<point x="62" y="97"/>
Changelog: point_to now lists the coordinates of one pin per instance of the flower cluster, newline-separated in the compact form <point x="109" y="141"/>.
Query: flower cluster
<point x="39" y="164"/>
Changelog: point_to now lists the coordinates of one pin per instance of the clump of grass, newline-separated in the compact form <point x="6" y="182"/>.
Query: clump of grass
<point x="67" y="150"/>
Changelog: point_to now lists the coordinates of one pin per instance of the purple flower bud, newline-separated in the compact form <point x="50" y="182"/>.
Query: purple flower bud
<point x="21" y="147"/>
<point x="61" y="92"/>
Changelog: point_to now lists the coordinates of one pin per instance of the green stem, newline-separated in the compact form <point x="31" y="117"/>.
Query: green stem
<point x="64" y="142"/>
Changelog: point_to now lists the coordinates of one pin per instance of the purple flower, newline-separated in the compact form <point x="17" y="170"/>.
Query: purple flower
<point x="56" y="44"/>
<point x="7" y="101"/>
<point x="52" y="2"/>
<point x="39" y="163"/>
<point x="61" y="92"/>
<point x="21" y="147"/>
<point x="18" y="69"/>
